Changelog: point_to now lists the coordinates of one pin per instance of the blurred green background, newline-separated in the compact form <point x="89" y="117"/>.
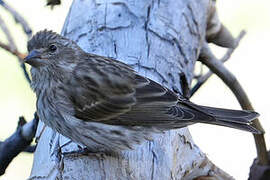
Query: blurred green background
<point x="231" y="150"/>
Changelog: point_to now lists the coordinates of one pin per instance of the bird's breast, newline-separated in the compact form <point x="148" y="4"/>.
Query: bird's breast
<point x="47" y="111"/>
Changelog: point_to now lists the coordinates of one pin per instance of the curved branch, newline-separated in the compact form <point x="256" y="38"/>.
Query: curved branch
<point x="208" y="58"/>
<point x="202" y="79"/>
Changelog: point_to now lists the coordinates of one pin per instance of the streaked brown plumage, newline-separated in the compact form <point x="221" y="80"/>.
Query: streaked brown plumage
<point x="103" y="104"/>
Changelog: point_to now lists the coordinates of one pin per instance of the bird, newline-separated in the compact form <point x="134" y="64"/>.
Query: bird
<point x="105" y="105"/>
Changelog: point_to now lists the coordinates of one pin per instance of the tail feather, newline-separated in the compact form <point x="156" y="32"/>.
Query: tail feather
<point x="246" y="127"/>
<point x="239" y="119"/>
<point x="237" y="116"/>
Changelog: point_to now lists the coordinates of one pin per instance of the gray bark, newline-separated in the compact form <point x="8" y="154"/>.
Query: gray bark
<point x="159" y="39"/>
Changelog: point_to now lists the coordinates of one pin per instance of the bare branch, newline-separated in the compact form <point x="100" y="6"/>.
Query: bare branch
<point x="30" y="149"/>
<point x="202" y="79"/>
<point x="12" y="48"/>
<point x="216" y="32"/>
<point x="259" y="172"/>
<point x="8" y="35"/>
<point x="18" y="18"/>
<point x="17" y="142"/>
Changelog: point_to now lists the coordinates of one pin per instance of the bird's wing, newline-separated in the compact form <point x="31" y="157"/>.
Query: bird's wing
<point x="109" y="91"/>
<point x="101" y="89"/>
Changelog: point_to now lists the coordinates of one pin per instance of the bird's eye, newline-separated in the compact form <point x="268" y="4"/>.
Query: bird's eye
<point x="52" y="48"/>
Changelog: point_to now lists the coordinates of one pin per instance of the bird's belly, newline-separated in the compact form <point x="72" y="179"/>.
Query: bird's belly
<point x="99" y="137"/>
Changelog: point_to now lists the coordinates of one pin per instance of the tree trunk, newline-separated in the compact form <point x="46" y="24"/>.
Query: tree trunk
<point x="160" y="39"/>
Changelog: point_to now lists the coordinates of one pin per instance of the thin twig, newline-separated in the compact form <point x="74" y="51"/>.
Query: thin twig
<point x="25" y="73"/>
<point x="4" y="28"/>
<point x="202" y="79"/>
<point x="18" y="19"/>
<point x="208" y="58"/>
<point x="12" y="51"/>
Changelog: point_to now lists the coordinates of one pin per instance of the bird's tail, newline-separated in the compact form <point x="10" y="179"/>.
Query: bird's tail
<point x="239" y="119"/>
<point x="233" y="118"/>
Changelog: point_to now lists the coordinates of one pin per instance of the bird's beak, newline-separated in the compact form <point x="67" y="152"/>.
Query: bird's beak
<point x="32" y="57"/>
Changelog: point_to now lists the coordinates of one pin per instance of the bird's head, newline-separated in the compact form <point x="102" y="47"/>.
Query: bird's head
<point x="49" y="48"/>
